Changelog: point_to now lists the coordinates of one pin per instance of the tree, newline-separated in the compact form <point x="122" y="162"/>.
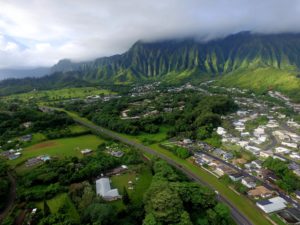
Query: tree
<point x="182" y="153"/>
<point x="165" y="205"/>
<point x="46" y="209"/>
<point x="185" y="219"/>
<point x="150" y="220"/>
<point x="125" y="197"/>
<point x="87" y="197"/>
<point x="99" y="213"/>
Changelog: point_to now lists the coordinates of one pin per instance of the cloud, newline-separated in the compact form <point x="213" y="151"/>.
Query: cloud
<point x="40" y="32"/>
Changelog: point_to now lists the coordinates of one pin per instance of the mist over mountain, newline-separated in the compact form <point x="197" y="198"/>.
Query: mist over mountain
<point x="21" y="73"/>
<point x="179" y="60"/>
<point x="155" y="60"/>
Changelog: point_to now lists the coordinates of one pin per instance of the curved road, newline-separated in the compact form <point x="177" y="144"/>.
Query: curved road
<point x="240" y="218"/>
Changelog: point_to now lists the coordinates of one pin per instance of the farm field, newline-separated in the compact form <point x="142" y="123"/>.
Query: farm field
<point x="59" y="147"/>
<point x="57" y="202"/>
<point x="65" y="93"/>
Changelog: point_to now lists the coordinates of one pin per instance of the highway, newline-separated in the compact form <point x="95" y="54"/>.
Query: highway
<point x="239" y="217"/>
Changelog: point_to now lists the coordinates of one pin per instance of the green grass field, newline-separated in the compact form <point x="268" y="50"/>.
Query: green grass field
<point x="277" y="220"/>
<point x="59" y="147"/>
<point x="264" y="79"/>
<point x="57" y="202"/>
<point x="65" y="93"/>
<point x="140" y="185"/>
<point x="77" y="129"/>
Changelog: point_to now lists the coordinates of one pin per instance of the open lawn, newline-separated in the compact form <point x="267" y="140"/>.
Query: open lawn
<point x="277" y="219"/>
<point x="77" y="129"/>
<point x="65" y="93"/>
<point x="140" y="182"/>
<point x="59" y="147"/>
<point x="147" y="139"/>
<point x="57" y="202"/>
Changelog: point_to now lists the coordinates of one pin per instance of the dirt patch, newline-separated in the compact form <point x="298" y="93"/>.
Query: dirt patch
<point x="44" y="145"/>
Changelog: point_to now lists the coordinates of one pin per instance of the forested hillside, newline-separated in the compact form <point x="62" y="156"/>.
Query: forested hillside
<point x="175" y="61"/>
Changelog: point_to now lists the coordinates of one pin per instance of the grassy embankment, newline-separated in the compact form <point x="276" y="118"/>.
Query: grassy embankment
<point x="261" y="80"/>
<point x="65" y="93"/>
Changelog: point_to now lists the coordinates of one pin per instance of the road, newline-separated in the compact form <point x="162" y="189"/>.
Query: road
<point x="11" y="198"/>
<point x="239" y="217"/>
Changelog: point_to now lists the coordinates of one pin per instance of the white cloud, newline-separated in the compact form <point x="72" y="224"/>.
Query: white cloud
<point x="40" y="32"/>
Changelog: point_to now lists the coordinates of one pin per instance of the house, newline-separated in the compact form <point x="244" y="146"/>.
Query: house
<point x="104" y="190"/>
<point x="245" y="134"/>
<point x="86" y="151"/>
<point x="219" y="152"/>
<point x="221" y="131"/>
<point x="117" y="154"/>
<point x="257" y="163"/>
<point x="266" y="154"/>
<point x="241" y="113"/>
<point x="297" y="172"/>
<point x="280" y="134"/>
<point x="297" y="193"/>
<point x="267" y="175"/>
<point x="27" y="124"/>
<point x="187" y="141"/>
<point x="295" y="155"/>
<point x="236" y="176"/>
<point x="222" y="170"/>
<point x="253" y="149"/>
<point x="227" y="156"/>
<point x="117" y="170"/>
<point x="14" y="155"/>
<point x="278" y="157"/>
<point x="260" y="192"/>
<point x="243" y="144"/>
<point x="291" y="145"/>
<point x="249" y="182"/>
<point x="26" y="138"/>
<point x="259" y="132"/>
<point x="282" y="150"/>
<point x="249" y="166"/>
<point x="272" y="204"/>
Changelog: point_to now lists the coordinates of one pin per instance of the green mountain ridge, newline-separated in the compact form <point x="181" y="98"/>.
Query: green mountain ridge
<point x="177" y="61"/>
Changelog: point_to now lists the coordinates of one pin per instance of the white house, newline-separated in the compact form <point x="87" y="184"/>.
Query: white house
<point x="266" y="154"/>
<point x="282" y="150"/>
<point x="243" y="144"/>
<point x="221" y="131"/>
<point x="257" y="164"/>
<point x="272" y="204"/>
<point x="245" y="134"/>
<point x="297" y="193"/>
<point x="259" y="132"/>
<point x="295" y="155"/>
<point x="249" y="182"/>
<point x="291" y="145"/>
<point x="253" y="149"/>
<point x="104" y="190"/>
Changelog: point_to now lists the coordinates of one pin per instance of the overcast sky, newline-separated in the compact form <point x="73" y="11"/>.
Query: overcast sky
<point x="40" y="32"/>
